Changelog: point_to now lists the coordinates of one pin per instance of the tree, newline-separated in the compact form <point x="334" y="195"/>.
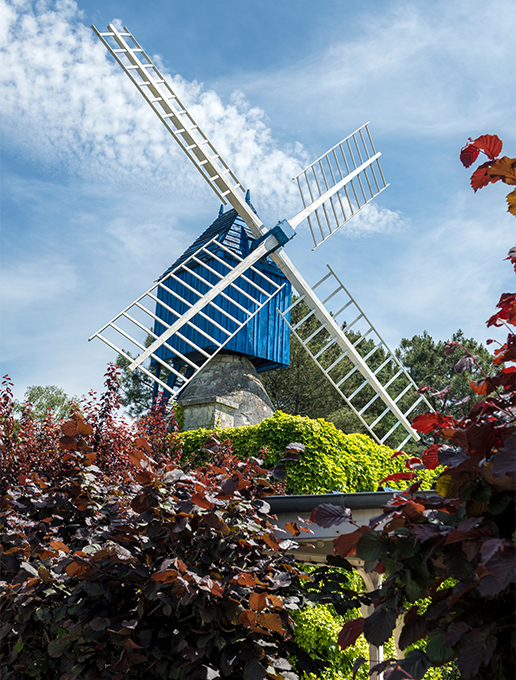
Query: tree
<point x="136" y="390"/>
<point x="428" y="364"/>
<point x="43" y="399"/>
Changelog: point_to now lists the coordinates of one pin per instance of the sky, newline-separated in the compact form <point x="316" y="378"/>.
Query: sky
<point x="97" y="200"/>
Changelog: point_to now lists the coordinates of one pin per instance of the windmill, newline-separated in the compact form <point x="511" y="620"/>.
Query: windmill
<point x="216" y="294"/>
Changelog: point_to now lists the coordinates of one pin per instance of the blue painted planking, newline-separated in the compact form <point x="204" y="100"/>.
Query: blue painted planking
<point x="265" y="339"/>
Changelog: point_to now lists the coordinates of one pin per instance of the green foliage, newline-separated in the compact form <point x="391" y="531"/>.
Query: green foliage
<point x="428" y="364"/>
<point x="39" y="400"/>
<point x="136" y="390"/>
<point x="331" y="461"/>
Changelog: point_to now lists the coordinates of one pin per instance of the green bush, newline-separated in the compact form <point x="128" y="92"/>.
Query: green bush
<point x="332" y="460"/>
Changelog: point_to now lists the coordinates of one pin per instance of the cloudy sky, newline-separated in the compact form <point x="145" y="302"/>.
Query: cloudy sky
<point x="97" y="200"/>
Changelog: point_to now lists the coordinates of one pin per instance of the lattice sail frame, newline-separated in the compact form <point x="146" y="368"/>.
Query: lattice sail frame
<point x="344" y="372"/>
<point x="197" y="318"/>
<point x="327" y="192"/>
<point x="340" y="183"/>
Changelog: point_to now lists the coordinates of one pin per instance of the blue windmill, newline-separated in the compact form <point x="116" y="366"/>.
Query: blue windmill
<point x="243" y="320"/>
<point x="231" y="290"/>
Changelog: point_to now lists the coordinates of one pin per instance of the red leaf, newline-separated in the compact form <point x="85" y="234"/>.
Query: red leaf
<point x="414" y="464"/>
<point x="83" y="428"/>
<point x="69" y="428"/>
<point x="68" y="443"/>
<point x="431" y="457"/>
<point x="491" y="145"/>
<point x="257" y="601"/>
<point x="398" y="476"/>
<point x="413" y="511"/>
<point x="271" y="541"/>
<point x="346" y="544"/>
<point x="480" y="179"/>
<point x="59" y="545"/>
<point x="427" y="422"/>
<point x="168" y="576"/>
<point x="202" y="502"/>
<point x="270" y="622"/>
<point x="469" y="154"/>
<point x="247" y="618"/>
<point x="292" y="527"/>
<point x="350" y="632"/>
<point x="142" y="444"/>
<point x="398" y="453"/>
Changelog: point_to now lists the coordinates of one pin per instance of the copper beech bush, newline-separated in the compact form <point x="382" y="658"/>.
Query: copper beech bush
<point x="118" y="562"/>
<point x="455" y="546"/>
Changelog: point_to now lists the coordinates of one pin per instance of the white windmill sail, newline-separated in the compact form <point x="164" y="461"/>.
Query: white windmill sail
<point x="339" y="184"/>
<point x="323" y="184"/>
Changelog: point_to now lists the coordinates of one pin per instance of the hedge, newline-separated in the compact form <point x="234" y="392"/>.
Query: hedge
<point x="332" y="460"/>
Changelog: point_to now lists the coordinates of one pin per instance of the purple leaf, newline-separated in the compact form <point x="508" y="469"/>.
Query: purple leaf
<point x="379" y="626"/>
<point x="279" y="472"/>
<point x="459" y="402"/>
<point x="423" y="532"/>
<point x="230" y="485"/>
<point x="465" y="363"/>
<point x="415" y="664"/>
<point x="469" y="523"/>
<point x="504" y="461"/>
<point x="100" y="623"/>
<point x="413" y="630"/>
<point x="253" y="670"/>
<point x="450" y="347"/>
<point x="503" y="565"/>
<point x="475" y="650"/>
<point x="327" y="515"/>
<point x="489" y="586"/>
<point x="295" y="446"/>
<point x="454" y="633"/>
<point x="452" y="457"/>
<point x="443" y="392"/>
<point x="281" y="580"/>
<point x="359" y="662"/>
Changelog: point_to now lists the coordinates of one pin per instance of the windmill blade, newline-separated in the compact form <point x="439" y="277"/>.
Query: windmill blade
<point x="165" y="102"/>
<point x="339" y="184"/>
<point x="357" y="362"/>
<point x="185" y="309"/>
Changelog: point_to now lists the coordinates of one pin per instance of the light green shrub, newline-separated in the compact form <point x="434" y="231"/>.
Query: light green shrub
<point x="332" y="460"/>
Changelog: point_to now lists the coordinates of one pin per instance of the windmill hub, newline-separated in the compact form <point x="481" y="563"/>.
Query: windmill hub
<point x="227" y="393"/>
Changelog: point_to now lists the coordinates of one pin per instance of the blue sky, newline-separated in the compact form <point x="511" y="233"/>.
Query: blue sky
<point x="97" y="201"/>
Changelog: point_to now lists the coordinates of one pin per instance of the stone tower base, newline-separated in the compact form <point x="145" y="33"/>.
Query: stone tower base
<point x="226" y="393"/>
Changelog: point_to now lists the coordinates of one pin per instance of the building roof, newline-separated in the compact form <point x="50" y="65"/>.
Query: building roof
<point x="230" y="230"/>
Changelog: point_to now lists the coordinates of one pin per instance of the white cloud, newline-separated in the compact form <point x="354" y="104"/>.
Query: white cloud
<point x="68" y="107"/>
<point x="373" y="220"/>
<point x="427" y="68"/>
<point x="37" y="282"/>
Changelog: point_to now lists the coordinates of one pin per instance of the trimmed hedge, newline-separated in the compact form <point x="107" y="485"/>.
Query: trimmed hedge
<point x="332" y="460"/>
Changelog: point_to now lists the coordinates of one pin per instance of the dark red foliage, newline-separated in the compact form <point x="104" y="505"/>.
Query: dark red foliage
<point x="507" y="313"/>
<point x="173" y="572"/>
<point x="430" y="457"/>
<point x="469" y="154"/>
<point x="491" y="145"/>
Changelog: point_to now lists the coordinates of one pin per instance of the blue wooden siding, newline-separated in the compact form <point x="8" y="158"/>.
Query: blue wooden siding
<point x="265" y="339"/>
